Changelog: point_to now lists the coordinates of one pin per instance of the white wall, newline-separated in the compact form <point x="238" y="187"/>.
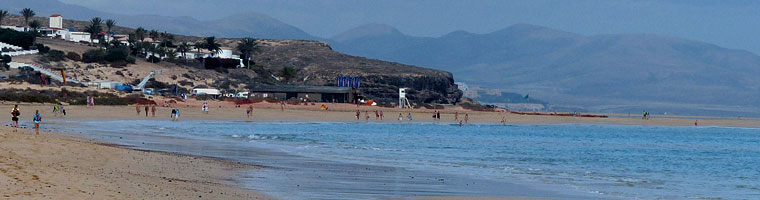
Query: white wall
<point x="79" y="37"/>
<point x="56" y="22"/>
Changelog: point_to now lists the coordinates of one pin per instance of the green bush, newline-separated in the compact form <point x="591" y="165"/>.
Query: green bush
<point x="115" y="54"/>
<point x="42" y="48"/>
<point x="5" y="60"/>
<point x="55" y="56"/>
<point x="131" y="60"/>
<point x="94" y="56"/>
<point x="287" y="73"/>
<point x="154" y="59"/>
<point x="74" y="56"/>
<point x="22" y="39"/>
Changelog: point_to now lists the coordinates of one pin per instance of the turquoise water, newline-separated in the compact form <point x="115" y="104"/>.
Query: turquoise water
<point x="604" y="161"/>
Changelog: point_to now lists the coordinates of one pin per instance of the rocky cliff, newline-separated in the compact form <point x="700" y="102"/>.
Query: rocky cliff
<point x="318" y="64"/>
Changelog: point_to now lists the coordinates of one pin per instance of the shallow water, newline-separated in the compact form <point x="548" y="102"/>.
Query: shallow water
<point x="378" y="160"/>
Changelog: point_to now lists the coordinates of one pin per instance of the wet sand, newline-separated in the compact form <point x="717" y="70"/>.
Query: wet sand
<point x="60" y="166"/>
<point x="347" y="113"/>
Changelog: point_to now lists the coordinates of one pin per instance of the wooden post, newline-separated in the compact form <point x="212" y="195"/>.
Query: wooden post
<point x="63" y="74"/>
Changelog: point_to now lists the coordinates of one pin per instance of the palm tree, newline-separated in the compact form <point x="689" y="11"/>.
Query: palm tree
<point x="140" y="33"/>
<point x="3" y="14"/>
<point x="247" y="46"/>
<point x="198" y="46"/>
<point x="27" y="13"/>
<point x="166" y="39"/>
<point x="153" y="35"/>
<point x="35" y="25"/>
<point x="110" y="23"/>
<point x="171" y="55"/>
<point x="211" y="45"/>
<point x="183" y="49"/>
<point x="94" y="28"/>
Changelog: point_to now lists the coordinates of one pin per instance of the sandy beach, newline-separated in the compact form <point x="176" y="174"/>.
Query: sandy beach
<point x="61" y="166"/>
<point x="219" y="110"/>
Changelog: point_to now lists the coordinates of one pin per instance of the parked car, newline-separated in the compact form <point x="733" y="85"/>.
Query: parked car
<point x="26" y="68"/>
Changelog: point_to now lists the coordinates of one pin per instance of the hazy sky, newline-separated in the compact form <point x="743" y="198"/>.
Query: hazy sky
<point x="728" y="23"/>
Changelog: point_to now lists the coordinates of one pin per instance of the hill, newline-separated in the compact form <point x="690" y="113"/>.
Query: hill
<point x="604" y="73"/>
<point x="241" y="25"/>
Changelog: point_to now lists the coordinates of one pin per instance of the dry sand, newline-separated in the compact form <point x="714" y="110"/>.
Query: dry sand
<point x="60" y="166"/>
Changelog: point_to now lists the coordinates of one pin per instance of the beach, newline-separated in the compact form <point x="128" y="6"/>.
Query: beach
<point x="55" y="165"/>
<point x="218" y="110"/>
<point x="61" y="166"/>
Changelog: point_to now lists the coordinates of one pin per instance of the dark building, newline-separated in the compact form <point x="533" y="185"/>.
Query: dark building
<point x="309" y="93"/>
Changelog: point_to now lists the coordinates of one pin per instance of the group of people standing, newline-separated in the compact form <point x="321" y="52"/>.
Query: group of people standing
<point x="379" y="115"/>
<point x="16" y="114"/>
<point x="436" y="116"/>
<point x="148" y="109"/>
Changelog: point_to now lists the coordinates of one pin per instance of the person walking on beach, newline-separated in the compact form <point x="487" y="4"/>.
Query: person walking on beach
<point x="137" y="107"/>
<point x="37" y="118"/>
<point x="249" y="111"/>
<point x="175" y="114"/>
<point x="358" y="113"/>
<point x="147" y="108"/>
<point x="153" y="110"/>
<point x="15" y="113"/>
<point x="456" y="116"/>
<point x="63" y="110"/>
<point x="204" y="107"/>
<point x="466" y="117"/>
<point x="55" y="110"/>
<point x="381" y="115"/>
<point x="400" y="117"/>
<point x="438" y="115"/>
<point x="282" y="106"/>
<point x="366" y="115"/>
<point x="377" y="115"/>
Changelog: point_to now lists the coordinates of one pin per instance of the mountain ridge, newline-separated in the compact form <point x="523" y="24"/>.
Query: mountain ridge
<point x="601" y="72"/>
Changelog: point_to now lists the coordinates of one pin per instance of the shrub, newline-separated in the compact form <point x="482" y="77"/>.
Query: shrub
<point x="94" y="55"/>
<point x="55" y="56"/>
<point x="22" y="39"/>
<point x="119" y="64"/>
<point x="42" y="48"/>
<point x="5" y="60"/>
<point x="287" y="73"/>
<point x="186" y="83"/>
<point x="74" y="56"/>
<point x="131" y="60"/>
<point x="154" y="59"/>
<point x="115" y="54"/>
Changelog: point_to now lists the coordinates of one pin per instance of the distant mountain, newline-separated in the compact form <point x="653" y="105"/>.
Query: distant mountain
<point x="236" y="26"/>
<point x="608" y="73"/>
<point x="374" y="40"/>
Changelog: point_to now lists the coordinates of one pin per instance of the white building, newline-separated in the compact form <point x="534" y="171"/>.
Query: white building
<point x="56" y="21"/>
<point x="76" y="36"/>
<point x="15" y="28"/>
<point x="206" y="91"/>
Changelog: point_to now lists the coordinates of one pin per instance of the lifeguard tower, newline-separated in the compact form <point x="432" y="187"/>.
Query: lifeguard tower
<point x="403" y="102"/>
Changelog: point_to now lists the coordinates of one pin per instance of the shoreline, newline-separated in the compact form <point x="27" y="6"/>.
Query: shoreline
<point x="346" y="113"/>
<point x="220" y="179"/>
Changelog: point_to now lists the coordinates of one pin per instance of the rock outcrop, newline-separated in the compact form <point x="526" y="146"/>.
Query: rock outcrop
<point x="318" y="64"/>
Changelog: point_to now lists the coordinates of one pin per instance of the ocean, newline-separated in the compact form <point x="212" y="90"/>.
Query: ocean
<point x="345" y="160"/>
